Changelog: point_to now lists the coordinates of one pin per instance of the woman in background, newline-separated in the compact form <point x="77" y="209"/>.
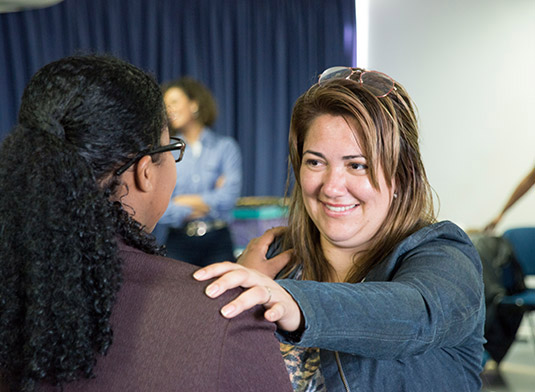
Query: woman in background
<point x="377" y="296"/>
<point x="87" y="301"/>
<point x="195" y="225"/>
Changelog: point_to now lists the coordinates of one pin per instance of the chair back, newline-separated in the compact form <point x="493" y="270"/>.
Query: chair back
<point x="523" y="241"/>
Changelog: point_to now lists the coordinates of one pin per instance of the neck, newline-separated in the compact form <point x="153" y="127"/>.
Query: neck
<point x="191" y="132"/>
<point x="340" y="259"/>
<point x="133" y="201"/>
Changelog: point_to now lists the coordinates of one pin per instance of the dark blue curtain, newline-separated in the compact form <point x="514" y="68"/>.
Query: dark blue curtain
<point x="257" y="56"/>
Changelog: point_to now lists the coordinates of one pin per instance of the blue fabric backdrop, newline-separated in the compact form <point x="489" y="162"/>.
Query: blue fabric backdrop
<point x="257" y="56"/>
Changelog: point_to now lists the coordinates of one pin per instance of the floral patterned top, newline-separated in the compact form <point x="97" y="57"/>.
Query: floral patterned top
<point x="303" y="364"/>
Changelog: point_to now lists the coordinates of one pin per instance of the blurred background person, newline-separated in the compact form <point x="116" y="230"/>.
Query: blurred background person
<point x="195" y="226"/>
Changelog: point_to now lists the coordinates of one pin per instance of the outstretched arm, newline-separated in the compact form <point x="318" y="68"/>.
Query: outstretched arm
<point x="435" y="297"/>
<point x="519" y="191"/>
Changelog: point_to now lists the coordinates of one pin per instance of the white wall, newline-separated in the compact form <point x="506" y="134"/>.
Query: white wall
<point x="470" y="67"/>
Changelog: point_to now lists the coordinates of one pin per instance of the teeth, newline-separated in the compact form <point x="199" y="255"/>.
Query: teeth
<point x="339" y="209"/>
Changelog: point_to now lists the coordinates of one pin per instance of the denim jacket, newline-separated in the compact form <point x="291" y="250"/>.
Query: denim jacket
<point x="414" y="324"/>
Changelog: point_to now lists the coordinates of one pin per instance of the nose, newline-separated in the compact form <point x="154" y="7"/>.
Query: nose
<point x="334" y="183"/>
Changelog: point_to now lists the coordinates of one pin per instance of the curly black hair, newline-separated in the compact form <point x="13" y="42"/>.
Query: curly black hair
<point x="80" y="119"/>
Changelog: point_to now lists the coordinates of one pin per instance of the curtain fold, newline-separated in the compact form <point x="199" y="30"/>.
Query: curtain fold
<point x="257" y="56"/>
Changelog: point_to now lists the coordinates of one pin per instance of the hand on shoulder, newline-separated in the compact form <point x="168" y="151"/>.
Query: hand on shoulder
<point x="260" y="289"/>
<point x="255" y="254"/>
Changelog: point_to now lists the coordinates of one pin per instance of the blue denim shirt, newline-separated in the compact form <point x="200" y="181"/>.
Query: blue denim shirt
<point x="220" y="156"/>
<point x="415" y="323"/>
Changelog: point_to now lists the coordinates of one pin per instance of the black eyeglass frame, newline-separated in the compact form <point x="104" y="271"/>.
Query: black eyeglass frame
<point x="178" y="144"/>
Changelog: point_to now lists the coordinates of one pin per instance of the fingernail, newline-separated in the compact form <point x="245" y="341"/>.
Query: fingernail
<point x="270" y="315"/>
<point x="212" y="290"/>
<point x="199" y="274"/>
<point x="228" y="310"/>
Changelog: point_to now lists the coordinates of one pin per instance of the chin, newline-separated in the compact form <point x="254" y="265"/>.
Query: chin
<point x="175" y="127"/>
<point x="336" y="238"/>
<point x="150" y="227"/>
<point x="343" y="240"/>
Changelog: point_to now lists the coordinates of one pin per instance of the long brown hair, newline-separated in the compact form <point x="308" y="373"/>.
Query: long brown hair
<point x="387" y="130"/>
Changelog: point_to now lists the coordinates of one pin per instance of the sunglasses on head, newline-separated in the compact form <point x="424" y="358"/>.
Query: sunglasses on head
<point x="378" y="83"/>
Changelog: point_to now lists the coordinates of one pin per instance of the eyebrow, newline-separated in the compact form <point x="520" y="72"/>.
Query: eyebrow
<point x="345" y="157"/>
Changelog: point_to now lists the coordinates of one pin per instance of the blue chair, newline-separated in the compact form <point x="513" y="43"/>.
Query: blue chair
<point x="522" y="239"/>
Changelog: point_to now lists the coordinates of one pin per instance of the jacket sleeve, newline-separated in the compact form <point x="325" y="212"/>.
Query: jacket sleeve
<point x="250" y="357"/>
<point x="435" y="298"/>
<point x="222" y="200"/>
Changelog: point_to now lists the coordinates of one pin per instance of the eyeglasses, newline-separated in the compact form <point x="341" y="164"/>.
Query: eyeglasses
<point x="378" y="83"/>
<point x="178" y="144"/>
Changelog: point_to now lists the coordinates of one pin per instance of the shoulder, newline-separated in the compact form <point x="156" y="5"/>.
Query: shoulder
<point x="432" y="245"/>
<point x="445" y="232"/>
<point x="165" y="296"/>
<point x="443" y="241"/>
<point x="165" y="282"/>
<point x="221" y="141"/>
<point x="182" y="319"/>
<point x="137" y="262"/>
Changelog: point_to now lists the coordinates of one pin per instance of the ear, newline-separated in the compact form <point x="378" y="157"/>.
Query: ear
<point x="144" y="174"/>
<point x="194" y="106"/>
<point x="394" y="189"/>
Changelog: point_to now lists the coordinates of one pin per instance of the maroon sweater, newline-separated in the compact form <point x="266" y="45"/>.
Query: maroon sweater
<point x="169" y="336"/>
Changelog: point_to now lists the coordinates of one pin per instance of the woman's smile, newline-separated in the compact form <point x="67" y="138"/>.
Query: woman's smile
<point x="339" y="207"/>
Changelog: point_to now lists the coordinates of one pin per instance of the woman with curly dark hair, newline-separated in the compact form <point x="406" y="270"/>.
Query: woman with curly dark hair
<point x="87" y="301"/>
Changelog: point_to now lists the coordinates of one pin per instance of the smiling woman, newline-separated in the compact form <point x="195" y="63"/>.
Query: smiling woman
<point x="372" y="292"/>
